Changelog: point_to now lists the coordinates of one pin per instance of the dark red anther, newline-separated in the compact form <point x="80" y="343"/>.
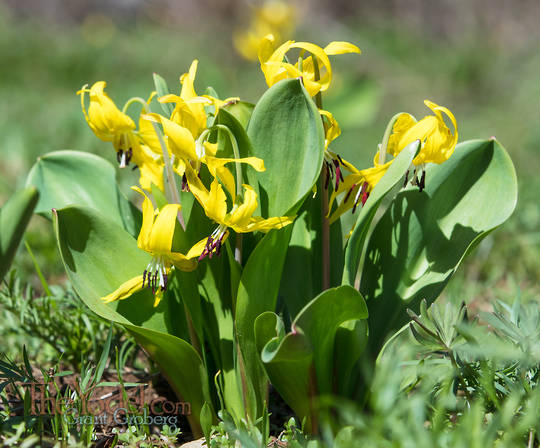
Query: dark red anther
<point x="406" y="178"/>
<point x="185" y="185"/>
<point x="327" y="178"/>
<point x="348" y="195"/>
<point x="144" y="277"/>
<point x="119" y="155"/>
<point x="129" y="154"/>
<point x="339" y="176"/>
<point x="365" y="197"/>
<point x="165" y="279"/>
<point x="422" y="183"/>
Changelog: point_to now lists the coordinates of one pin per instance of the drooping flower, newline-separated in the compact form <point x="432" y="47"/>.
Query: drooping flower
<point x="131" y="145"/>
<point x="108" y="122"/>
<point x="240" y="218"/>
<point x="275" y="68"/>
<point x="157" y="237"/>
<point x="357" y="186"/>
<point x="187" y="150"/>
<point x="437" y="141"/>
<point x="333" y="163"/>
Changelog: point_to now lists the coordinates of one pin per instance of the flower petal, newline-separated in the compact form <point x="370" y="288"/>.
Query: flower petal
<point x="334" y="48"/>
<point x="125" y="290"/>
<point x="162" y="232"/>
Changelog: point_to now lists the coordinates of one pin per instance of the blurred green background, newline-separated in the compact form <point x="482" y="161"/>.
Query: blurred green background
<point x="479" y="58"/>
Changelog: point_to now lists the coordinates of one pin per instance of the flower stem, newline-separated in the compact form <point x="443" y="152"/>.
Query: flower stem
<point x="174" y="197"/>
<point x="239" y="182"/>
<point x="386" y="137"/>
<point x="173" y="190"/>
<point x="236" y="152"/>
<point x="325" y="224"/>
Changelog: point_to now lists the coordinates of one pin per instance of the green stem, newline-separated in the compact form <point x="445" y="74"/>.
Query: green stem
<point x="386" y="137"/>
<point x="174" y="197"/>
<point x="236" y="152"/>
<point x="239" y="182"/>
<point x="324" y="198"/>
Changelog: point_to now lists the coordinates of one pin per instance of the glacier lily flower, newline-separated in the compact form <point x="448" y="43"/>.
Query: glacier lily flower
<point x="276" y="69"/>
<point x="187" y="150"/>
<point x="112" y="125"/>
<point x="332" y="161"/>
<point x="108" y="122"/>
<point x="240" y="218"/>
<point x="357" y="186"/>
<point x="157" y="238"/>
<point x="437" y="141"/>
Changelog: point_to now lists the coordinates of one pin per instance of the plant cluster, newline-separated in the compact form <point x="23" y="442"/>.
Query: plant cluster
<point x="237" y="271"/>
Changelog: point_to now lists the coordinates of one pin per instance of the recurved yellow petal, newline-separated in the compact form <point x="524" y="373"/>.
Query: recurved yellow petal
<point x="240" y="217"/>
<point x="216" y="204"/>
<point x="125" y="290"/>
<point x="336" y="47"/>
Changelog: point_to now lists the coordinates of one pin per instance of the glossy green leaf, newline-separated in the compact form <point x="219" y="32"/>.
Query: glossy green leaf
<point x="78" y="178"/>
<point x="422" y="237"/>
<point x="320" y="321"/>
<point x="14" y="217"/>
<point x="286" y="132"/>
<point x="393" y="176"/>
<point x="242" y="111"/>
<point x="288" y="361"/>
<point x="257" y="293"/>
<point x="301" y="364"/>
<point x="99" y="255"/>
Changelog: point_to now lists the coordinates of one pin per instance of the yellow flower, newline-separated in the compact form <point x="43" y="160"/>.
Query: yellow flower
<point x="357" y="186"/>
<point x="187" y="150"/>
<point x="157" y="237"/>
<point x="275" y="68"/>
<point x="437" y="140"/>
<point x="189" y="107"/>
<point x="273" y="17"/>
<point x="240" y="218"/>
<point x="332" y="161"/>
<point x="108" y="122"/>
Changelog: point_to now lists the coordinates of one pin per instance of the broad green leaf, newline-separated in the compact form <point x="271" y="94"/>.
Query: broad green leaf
<point x="78" y="178"/>
<point x="286" y="132"/>
<point x="257" y="293"/>
<point x="242" y="111"/>
<point x="288" y="361"/>
<point x="301" y="364"/>
<point x="320" y="321"/>
<point x="355" y="245"/>
<point x="99" y="255"/>
<point x="14" y="217"/>
<point x="422" y="237"/>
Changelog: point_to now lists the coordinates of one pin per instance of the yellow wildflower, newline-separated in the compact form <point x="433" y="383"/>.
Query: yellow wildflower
<point x="157" y="238"/>
<point x="275" y="68"/>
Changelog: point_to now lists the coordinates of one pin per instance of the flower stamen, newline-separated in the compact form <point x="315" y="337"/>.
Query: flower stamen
<point x="155" y="275"/>
<point x="214" y="242"/>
